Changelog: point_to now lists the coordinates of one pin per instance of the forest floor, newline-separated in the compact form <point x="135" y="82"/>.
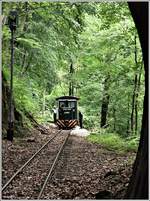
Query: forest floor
<point x="86" y="171"/>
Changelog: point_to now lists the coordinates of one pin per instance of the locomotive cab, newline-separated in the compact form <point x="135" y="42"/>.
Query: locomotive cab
<point x="67" y="115"/>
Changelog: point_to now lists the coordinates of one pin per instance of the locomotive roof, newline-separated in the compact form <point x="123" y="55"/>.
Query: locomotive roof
<point x="67" y="97"/>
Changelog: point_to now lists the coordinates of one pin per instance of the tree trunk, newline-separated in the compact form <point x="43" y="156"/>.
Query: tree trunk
<point x="23" y="60"/>
<point x="136" y="99"/>
<point x="25" y="26"/>
<point x="24" y="29"/>
<point x="5" y="109"/>
<point x="43" y="109"/>
<point x="71" y="86"/>
<point x="128" y="120"/>
<point x="133" y="103"/>
<point x="105" y="102"/>
<point x="114" y="116"/>
<point x="5" y="101"/>
<point x="135" y="88"/>
<point x="138" y="185"/>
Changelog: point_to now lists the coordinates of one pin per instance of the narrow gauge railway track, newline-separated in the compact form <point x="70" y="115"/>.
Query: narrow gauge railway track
<point x="73" y="172"/>
<point x="44" y="165"/>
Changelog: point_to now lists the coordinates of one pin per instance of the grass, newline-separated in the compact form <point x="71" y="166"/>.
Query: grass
<point x="114" y="142"/>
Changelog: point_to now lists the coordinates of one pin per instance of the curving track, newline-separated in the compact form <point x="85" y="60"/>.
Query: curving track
<point x="39" y="167"/>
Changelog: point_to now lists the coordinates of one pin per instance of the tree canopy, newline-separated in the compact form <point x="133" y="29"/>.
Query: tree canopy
<point x="98" y="41"/>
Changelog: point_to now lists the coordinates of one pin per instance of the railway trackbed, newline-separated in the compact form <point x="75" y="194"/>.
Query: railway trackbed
<point x="81" y="171"/>
<point x="38" y="168"/>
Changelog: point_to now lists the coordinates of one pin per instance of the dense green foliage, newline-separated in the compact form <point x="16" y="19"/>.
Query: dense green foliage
<point x="114" y="142"/>
<point x="99" y="40"/>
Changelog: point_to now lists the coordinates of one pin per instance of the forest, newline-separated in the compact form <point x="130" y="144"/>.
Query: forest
<point x="88" y="50"/>
<point x="81" y="50"/>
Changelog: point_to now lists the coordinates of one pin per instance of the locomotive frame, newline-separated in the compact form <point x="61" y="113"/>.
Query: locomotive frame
<point x="66" y="115"/>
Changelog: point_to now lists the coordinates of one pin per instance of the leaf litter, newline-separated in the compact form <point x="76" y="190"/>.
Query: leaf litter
<point x="84" y="170"/>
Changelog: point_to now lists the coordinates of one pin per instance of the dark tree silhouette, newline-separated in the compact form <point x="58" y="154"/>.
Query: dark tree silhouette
<point x="138" y="186"/>
<point x="105" y="102"/>
<point x="71" y="87"/>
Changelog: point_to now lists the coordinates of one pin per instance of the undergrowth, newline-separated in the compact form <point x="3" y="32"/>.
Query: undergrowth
<point x="114" y="142"/>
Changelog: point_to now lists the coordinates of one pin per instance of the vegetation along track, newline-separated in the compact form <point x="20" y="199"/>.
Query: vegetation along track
<point x="25" y="182"/>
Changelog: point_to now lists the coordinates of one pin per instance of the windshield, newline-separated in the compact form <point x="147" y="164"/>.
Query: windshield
<point x="67" y="104"/>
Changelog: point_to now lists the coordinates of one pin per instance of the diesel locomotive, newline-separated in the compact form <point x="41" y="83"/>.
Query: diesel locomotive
<point x="66" y="114"/>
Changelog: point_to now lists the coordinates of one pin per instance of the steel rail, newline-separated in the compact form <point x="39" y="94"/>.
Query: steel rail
<point x="26" y="163"/>
<point x="52" y="167"/>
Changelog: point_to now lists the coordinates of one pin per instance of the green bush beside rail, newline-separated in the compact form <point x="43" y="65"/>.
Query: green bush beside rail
<point x="114" y="142"/>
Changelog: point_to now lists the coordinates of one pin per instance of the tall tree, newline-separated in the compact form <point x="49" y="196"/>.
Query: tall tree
<point x="135" y="88"/>
<point x="105" y="102"/>
<point x="136" y="99"/>
<point x="71" y="84"/>
<point x="138" y="186"/>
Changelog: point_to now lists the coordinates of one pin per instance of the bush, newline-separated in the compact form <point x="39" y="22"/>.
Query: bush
<point x="113" y="141"/>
